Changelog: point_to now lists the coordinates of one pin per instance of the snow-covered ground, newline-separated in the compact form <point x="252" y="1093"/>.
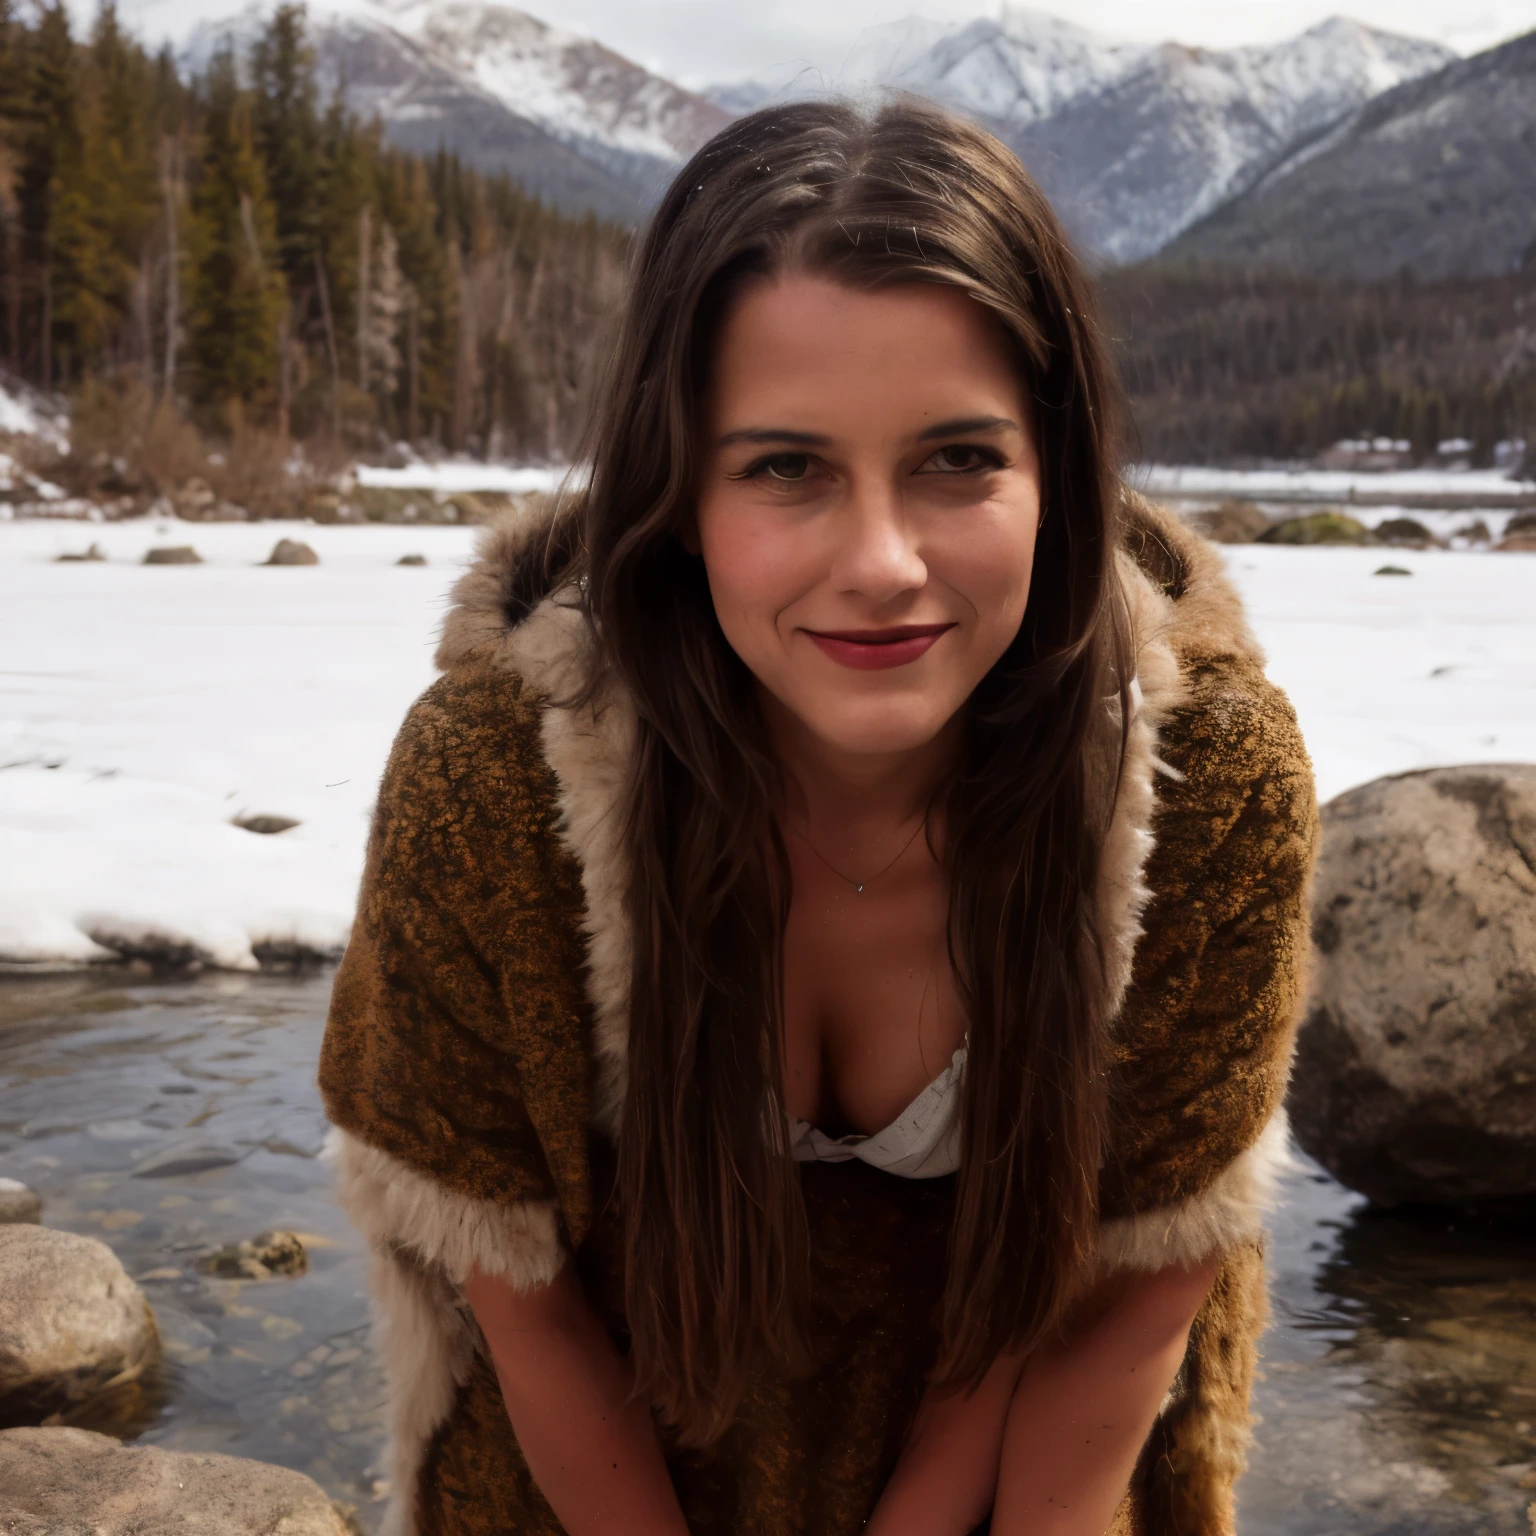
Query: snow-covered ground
<point x="142" y="707"/>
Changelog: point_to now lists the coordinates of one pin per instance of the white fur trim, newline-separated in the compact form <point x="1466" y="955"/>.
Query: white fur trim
<point x="591" y="749"/>
<point x="394" y="1206"/>
<point x="1160" y="688"/>
<point x="425" y="1345"/>
<point x="1229" y="1211"/>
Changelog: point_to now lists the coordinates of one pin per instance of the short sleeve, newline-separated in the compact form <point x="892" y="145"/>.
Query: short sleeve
<point x="455" y="1065"/>
<point x="1203" y="1041"/>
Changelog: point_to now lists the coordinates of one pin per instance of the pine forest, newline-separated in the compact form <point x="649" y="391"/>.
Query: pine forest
<point x="232" y="257"/>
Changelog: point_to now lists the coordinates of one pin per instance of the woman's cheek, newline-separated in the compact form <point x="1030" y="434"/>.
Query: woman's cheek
<point x="990" y="568"/>
<point x="753" y="561"/>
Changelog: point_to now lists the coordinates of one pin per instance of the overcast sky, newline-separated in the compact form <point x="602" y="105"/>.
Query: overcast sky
<point x="699" y="41"/>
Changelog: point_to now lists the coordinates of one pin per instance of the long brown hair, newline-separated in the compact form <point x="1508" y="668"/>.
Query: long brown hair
<point x="716" y="1240"/>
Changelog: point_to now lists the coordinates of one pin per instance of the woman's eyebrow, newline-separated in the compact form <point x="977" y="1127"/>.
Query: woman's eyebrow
<point x="963" y="424"/>
<point x="775" y="435"/>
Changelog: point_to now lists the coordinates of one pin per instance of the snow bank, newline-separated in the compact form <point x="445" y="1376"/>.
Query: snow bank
<point x="143" y="707"/>
<point x="453" y="476"/>
<point x="24" y="414"/>
<point x="1492" y="485"/>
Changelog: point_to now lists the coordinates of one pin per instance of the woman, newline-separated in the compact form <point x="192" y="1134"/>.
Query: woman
<point x="810" y="1055"/>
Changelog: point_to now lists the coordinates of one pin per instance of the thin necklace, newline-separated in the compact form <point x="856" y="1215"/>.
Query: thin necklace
<point x="858" y="885"/>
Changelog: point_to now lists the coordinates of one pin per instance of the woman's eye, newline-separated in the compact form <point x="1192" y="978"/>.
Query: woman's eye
<point x="962" y="458"/>
<point x="782" y="466"/>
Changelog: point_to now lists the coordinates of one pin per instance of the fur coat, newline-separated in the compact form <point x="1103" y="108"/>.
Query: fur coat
<point x="474" y="1065"/>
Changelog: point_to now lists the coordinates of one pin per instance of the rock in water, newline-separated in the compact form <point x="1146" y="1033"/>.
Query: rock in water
<point x="411" y="560"/>
<point x="70" y="1480"/>
<point x="1415" y="1077"/>
<point x="292" y="552"/>
<point x="71" y="1323"/>
<point x="173" y="554"/>
<point x="259" y="1258"/>
<point x="18" y="1204"/>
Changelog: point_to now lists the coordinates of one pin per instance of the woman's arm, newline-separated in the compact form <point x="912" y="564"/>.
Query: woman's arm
<point x="1083" y="1410"/>
<point x="1049" y="1445"/>
<point x="590" y="1444"/>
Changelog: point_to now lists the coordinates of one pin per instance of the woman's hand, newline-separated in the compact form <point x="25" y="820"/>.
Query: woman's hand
<point x="592" y="1448"/>
<point x="1047" y="1445"/>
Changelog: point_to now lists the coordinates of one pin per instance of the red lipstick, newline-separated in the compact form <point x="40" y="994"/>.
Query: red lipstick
<point x="875" y="650"/>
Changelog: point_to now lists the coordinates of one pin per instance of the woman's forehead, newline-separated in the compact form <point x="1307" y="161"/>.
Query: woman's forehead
<point x="802" y="351"/>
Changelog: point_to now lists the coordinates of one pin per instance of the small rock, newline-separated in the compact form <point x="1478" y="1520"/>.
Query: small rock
<point x="70" y="1480"/>
<point x="267" y="826"/>
<point x="1392" y="570"/>
<point x="411" y="560"/>
<point x="292" y="552"/>
<point x="1521" y="522"/>
<point x="92" y="553"/>
<point x="72" y="1323"/>
<point x="173" y="554"/>
<point x="1517" y="544"/>
<point x="1415" y="1077"/>
<point x="1475" y="532"/>
<point x="1233" y="522"/>
<point x="19" y="1205"/>
<point x="1327" y="527"/>
<point x="259" y="1258"/>
<point x="183" y="1159"/>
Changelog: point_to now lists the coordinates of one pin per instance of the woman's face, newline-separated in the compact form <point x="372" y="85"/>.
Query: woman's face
<point x="868" y="503"/>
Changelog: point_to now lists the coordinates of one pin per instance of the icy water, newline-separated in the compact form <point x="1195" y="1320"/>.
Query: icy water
<point x="169" y="1118"/>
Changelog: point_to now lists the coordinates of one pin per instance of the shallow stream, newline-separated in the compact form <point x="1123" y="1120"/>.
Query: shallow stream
<point x="170" y="1118"/>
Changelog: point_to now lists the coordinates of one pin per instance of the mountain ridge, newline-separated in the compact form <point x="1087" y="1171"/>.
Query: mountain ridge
<point x="1436" y="177"/>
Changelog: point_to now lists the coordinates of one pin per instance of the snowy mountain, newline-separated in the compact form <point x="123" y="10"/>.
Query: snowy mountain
<point x="569" y="118"/>
<point x="1437" y="177"/>
<point x="1134" y="142"/>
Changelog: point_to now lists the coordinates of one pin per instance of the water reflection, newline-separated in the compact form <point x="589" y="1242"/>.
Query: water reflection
<point x="170" y="1118"/>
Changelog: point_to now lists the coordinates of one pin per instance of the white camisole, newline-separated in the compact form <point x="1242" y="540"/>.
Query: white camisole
<point x="922" y="1142"/>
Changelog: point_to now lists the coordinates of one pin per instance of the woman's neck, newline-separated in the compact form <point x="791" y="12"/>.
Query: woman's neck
<point x="826" y="786"/>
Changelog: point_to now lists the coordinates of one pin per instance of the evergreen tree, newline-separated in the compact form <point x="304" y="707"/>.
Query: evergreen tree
<point x="288" y="135"/>
<point x="236" y="291"/>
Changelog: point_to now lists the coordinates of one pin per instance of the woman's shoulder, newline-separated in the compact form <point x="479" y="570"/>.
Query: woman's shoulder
<point x="474" y="743"/>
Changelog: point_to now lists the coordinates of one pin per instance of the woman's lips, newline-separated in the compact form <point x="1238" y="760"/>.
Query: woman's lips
<point x="873" y="650"/>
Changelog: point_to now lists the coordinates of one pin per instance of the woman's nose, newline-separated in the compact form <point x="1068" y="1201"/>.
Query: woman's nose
<point x="877" y="554"/>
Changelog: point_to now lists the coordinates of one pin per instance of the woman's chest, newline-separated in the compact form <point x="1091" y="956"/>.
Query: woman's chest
<point x="871" y="1011"/>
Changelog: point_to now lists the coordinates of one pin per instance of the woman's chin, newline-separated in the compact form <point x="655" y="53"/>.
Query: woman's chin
<point x="852" y="732"/>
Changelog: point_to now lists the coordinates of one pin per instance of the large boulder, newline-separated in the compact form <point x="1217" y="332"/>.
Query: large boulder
<point x="72" y="1323"/>
<point x="1415" y="1076"/>
<point x="69" y="1480"/>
